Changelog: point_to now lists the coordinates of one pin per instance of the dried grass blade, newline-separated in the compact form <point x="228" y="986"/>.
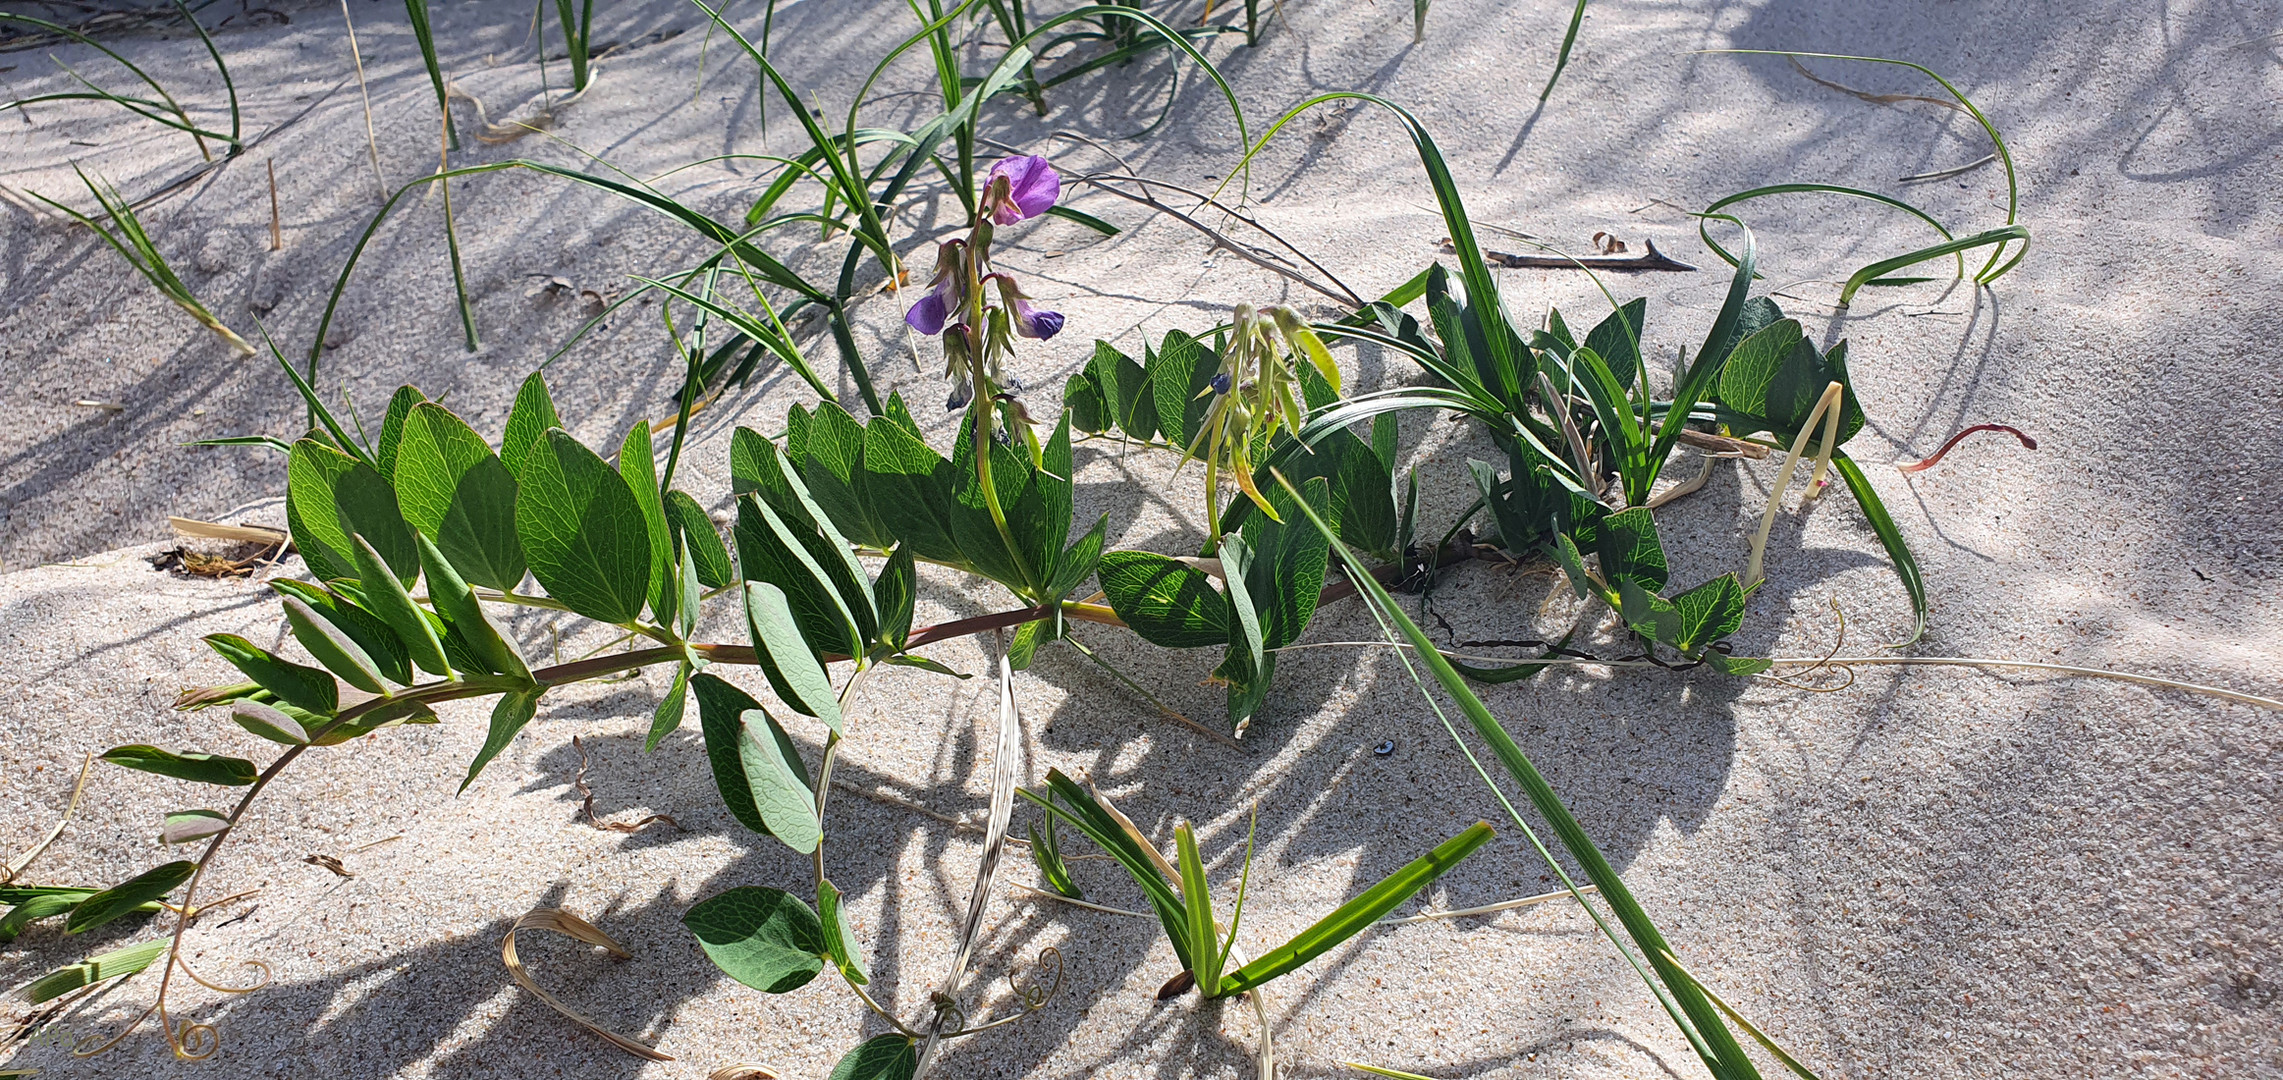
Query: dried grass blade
<point x="208" y="530"/>
<point x="994" y="845"/>
<point x="19" y="863"/>
<point x="578" y="929"/>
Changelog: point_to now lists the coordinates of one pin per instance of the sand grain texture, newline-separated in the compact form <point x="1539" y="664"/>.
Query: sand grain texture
<point x="1933" y="873"/>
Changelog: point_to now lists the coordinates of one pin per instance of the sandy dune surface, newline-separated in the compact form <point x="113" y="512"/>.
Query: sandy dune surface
<point x="1933" y="872"/>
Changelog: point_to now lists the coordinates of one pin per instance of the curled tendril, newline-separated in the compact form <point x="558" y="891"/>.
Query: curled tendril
<point x="192" y="1041"/>
<point x="950" y="1019"/>
<point x="258" y="966"/>
<point x="1033" y="999"/>
<point x="1837" y="639"/>
<point x="92" y="1045"/>
<point x="1030" y="999"/>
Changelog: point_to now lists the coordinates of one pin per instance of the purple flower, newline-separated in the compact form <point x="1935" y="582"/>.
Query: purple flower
<point x="946" y="293"/>
<point x="1020" y="188"/>
<point x="1221" y="383"/>
<point x="1030" y="322"/>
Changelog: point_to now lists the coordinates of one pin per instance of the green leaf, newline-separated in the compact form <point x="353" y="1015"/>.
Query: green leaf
<point x="668" y="716"/>
<point x="198" y="768"/>
<point x="1565" y="552"/>
<point x="312" y="471"/>
<point x="638" y="466"/>
<point x="894" y="594"/>
<point x="388" y="599"/>
<point x="1630" y="550"/>
<point x="1359" y="913"/>
<point x="1046" y="851"/>
<point x="127" y="896"/>
<point x="839" y="938"/>
<point x="184" y="826"/>
<point x="700" y="539"/>
<point x="458" y="605"/>
<point x="881" y="1057"/>
<point x="1126" y="391"/>
<point x="1774" y="378"/>
<point x="367" y="507"/>
<point x="1709" y="612"/>
<point x="1089" y="411"/>
<point x="392" y="427"/>
<point x="1738" y="666"/>
<point x="379" y="643"/>
<point x="332" y="647"/>
<point x="779" y="782"/>
<point x="1078" y="560"/>
<point x="455" y="491"/>
<point x="770" y="550"/>
<point x="1289" y="559"/>
<point x="1617" y="340"/>
<point x="834" y="476"/>
<point x="527" y="425"/>
<point x="583" y="531"/>
<point x="721" y="710"/>
<point x="1040" y="519"/>
<point x="910" y="486"/>
<point x="1167" y="602"/>
<point x="765" y="938"/>
<point x="793" y="669"/>
<point x="270" y="723"/>
<point x="32" y="909"/>
<point x="981" y="544"/>
<point x="507" y="718"/>
<point x="1180" y="373"/>
<point x="311" y="688"/>
<point x="95" y="969"/>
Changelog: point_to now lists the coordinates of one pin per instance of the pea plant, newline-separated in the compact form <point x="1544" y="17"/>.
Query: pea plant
<point x="416" y="540"/>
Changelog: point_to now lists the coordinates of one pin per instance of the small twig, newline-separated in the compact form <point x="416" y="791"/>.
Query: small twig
<point x="1944" y="174"/>
<point x="2027" y="443"/>
<point x="372" y="143"/>
<point x="587" y="801"/>
<point x="1488" y="909"/>
<point x="1875" y="99"/>
<point x="1649" y="259"/>
<point x="277" y="227"/>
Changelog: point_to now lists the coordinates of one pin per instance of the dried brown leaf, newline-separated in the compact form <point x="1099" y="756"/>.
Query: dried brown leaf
<point x="577" y="929"/>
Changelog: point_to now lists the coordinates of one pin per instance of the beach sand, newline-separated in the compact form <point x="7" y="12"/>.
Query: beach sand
<point x="1933" y="872"/>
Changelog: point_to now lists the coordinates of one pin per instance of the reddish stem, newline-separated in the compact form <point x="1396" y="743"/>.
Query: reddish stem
<point x="2026" y="442"/>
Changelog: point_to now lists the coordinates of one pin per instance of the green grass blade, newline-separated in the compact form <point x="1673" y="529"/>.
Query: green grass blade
<point x="1088" y="817"/>
<point x="1825" y="189"/>
<point x="1997" y="141"/>
<point x="1695" y="1015"/>
<point x="1197" y="897"/>
<point x="1898" y="550"/>
<point x="171" y="104"/>
<point x="228" y="85"/>
<point x="1797" y="1067"/>
<point x="753" y="328"/>
<point x="1569" y="38"/>
<point x="417" y="12"/>
<point x="1474" y="270"/>
<point x="1870" y="275"/>
<point x="1357" y="914"/>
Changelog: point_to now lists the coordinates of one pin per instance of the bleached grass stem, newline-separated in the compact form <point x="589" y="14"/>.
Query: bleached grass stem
<point x="1827" y="404"/>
